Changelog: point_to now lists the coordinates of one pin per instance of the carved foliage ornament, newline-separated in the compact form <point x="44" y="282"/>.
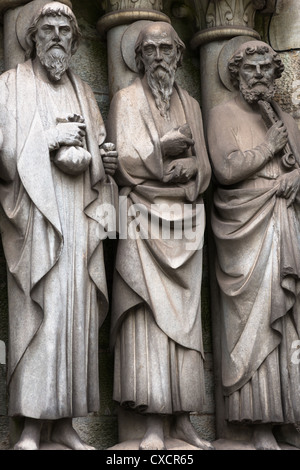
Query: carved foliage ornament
<point x="232" y="12"/>
<point x="113" y="5"/>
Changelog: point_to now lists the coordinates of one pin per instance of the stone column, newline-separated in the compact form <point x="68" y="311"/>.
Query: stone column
<point x="15" y="16"/>
<point x="223" y="26"/>
<point x="121" y="25"/>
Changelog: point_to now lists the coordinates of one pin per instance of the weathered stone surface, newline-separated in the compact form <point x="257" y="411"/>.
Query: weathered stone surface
<point x="204" y="425"/>
<point x="171" y="444"/>
<point x="162" y="310"/>
<point x="288" y="86"/>
<point x="284" y="26"/>
<point x="54" y="336"/>
<point x="100" y="432"/>
<point x="4" y="433"/>
<point x="224" y="444"/>
<point x="254" y="149"/>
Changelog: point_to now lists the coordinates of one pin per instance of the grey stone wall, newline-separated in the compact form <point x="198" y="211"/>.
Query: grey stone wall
<point x="90" y="62"/>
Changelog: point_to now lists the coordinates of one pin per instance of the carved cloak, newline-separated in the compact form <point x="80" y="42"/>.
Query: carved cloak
<point x="258" y="245"/>
<point x="164" y="277"/>
<point x="31" y="230"/>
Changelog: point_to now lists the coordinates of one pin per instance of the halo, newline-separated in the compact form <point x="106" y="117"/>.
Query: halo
<point x="225" y="55"/>
<point x="128" y="41"/>
<point x="26" y="16"/>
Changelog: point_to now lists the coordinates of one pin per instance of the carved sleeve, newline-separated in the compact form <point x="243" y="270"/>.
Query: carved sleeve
<point x="232" y="165"/>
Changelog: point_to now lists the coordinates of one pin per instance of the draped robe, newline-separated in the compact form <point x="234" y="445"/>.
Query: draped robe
<point x="257" y="266"/>
<point x="156" y="311"/>
<point x="52" y="244"/>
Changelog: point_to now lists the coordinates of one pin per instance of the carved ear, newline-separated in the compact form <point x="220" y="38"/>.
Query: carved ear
<point x="30" y="39"/>
<point x="179" y="56"/>
<point x="30" y="45"/>
<point x="75" y="44"/>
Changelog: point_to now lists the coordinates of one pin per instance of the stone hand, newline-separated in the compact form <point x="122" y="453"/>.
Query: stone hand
<point x="289" y="185"/>
<point x="71" y="133"/>
<point x="180" y="171"/>
<point x="176" y="141"/>
<point x="109" y="158"/>
<point x="277" y="137"/>
<point x="74" y="118"/>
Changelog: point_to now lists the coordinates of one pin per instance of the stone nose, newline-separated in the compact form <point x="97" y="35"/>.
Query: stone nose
<point x="258" y="71"/>
<point x="56" y="34"/>
<point x="158" y="54"/>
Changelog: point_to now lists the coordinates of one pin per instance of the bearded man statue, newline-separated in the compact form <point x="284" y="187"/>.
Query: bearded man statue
<point x="156" y="313"/>
<point x="52" y="177"/>
<point x="255" y="152"/>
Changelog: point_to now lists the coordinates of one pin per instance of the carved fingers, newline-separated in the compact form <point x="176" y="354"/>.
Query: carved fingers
<point x="180" y="171"/>
<point x="75" y="118"/>
<point x="289" y="185"/>
<point x="109" y="158"/>
<point x="277" y="137"/>
<point x="176" y="141"/>
<point x="71" y="133"/>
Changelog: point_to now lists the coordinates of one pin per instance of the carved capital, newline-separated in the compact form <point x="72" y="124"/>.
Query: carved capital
<point x="9" y="4"/>
<point x="120" y="12"/>
<point x="232" y="12"/>
<point x="117" y="5"/>
<point x="221" y="19"/>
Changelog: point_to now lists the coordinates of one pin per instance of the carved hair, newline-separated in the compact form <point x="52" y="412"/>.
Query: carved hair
<point x="138" y="46"/>
<point x="250" y="49"/>
<point x="54" y="9"/>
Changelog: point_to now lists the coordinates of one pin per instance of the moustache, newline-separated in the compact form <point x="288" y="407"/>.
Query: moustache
<point x="254" y="82"/>
<point x="55" y="45"/>
<point x="159" y="65"/>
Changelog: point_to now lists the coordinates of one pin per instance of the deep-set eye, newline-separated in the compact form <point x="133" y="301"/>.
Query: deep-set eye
<point x="149" y="49"/>
<point x="266" y="66"/>
<point x="166" y="49"/>
<point x="248" y="67"/>
<point x="65" y="30"/>
<point x="47" y="29"/>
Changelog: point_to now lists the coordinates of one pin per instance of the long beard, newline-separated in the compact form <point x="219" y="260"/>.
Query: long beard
<point x="56" y="62"/>
<point x="254" y="94"/>
<point x="161" y="80"/>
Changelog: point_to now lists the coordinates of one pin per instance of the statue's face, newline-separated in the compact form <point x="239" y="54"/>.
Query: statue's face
<point x="159" y="50"/>
<point x="54" y="33"/>
<point x="257" y="72"/>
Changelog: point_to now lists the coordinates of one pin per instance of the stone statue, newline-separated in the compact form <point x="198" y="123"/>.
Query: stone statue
<point x="255" y="152"/>
<point x="156" y="312"/>
<point x="51" y="180"/>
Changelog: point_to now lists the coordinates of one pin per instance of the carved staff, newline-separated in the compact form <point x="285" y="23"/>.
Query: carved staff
<point x="270" y="117"/>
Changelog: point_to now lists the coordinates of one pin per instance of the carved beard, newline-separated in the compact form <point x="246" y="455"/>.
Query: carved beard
<point x="260" y="92"/>
<point x="161" y="80"/>
<point x="56" y="61"/>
